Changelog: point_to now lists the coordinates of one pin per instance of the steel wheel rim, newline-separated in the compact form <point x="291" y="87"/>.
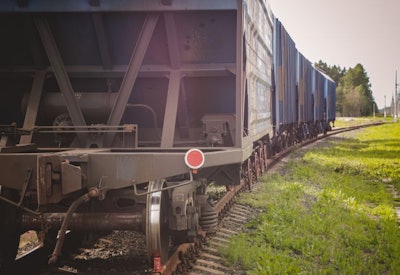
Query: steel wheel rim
<point x="249" y="174"/>
<point x="157" y="235"/>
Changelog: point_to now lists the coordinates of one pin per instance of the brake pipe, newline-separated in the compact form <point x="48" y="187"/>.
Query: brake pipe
<point x="93" y="193"/>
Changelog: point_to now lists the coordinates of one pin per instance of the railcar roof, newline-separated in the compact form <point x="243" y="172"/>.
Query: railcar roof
<point x="113" y="5"/>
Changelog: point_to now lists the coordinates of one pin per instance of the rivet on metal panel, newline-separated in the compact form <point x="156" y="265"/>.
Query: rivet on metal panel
<point x="166" y="2"/>
<point x="94" y="3"/>
<point x="23" y="3"/>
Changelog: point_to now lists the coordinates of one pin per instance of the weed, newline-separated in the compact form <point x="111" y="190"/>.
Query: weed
<point x="329" y="213"/>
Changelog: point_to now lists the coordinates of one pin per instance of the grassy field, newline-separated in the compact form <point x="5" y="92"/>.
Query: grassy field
<point x="328" y="211"/>
<point x="355" y="121"/>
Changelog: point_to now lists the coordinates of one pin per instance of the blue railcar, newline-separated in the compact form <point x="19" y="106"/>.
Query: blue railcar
<point x="304" y="83"/>
<point x="325" y="100"/>
<point x="305" y="96"/>
<point x="319" y="97"/>
<point x="330" y="97"/>
<point x="285" y="67"/>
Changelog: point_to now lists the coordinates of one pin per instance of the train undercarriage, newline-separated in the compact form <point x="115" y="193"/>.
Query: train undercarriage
<point x="176" y="208"/>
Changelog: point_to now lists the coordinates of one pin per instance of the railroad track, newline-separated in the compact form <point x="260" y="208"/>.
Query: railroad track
<point x="200" y="257"/>
<point x="209" y="262"/>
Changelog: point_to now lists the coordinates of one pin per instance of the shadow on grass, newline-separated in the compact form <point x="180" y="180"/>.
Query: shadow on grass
<point x="366" y="149"/>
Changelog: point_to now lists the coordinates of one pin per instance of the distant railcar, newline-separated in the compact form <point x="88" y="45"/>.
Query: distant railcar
<point x="285" y="73"/>
<point x="330" y="98"/>
<point x="305" y="96"/>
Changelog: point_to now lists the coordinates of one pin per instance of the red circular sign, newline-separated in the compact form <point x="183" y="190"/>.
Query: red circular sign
<point x="194" y="158"/>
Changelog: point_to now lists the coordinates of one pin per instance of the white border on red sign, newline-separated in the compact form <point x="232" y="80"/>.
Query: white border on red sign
<point x="186" y="160"/>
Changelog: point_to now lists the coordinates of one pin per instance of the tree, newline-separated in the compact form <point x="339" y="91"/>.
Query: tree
<point x="353" y="89"/>
<point x="356" y="87"/>
<point x="335" y="72"/>
<point x="339" y="99"/>
<point x="354" y="101"/>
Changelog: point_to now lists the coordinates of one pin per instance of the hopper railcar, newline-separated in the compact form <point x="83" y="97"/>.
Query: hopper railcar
<point x="104" y="101"/>
<point x="303" y="97"/>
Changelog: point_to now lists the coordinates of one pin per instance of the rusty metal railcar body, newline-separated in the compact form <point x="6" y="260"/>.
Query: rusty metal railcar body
<point x="330" y="98"/>
<point x="320" y="91"/>
<point x="304" y="83"/>
<point x="303" y="97"/>
<point x="104" y="101"/>
<point x="258" y="55"/>
<point x="285" y="69"/>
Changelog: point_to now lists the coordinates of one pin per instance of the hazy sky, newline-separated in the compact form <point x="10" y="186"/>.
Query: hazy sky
<point x="348" y="32"/>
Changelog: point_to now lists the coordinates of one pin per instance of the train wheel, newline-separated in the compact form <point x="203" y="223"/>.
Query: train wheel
<point x="249" y="174"/>
<point x="283" y="141"/>
<point x="261" y="153"/>
<point x="266" y="155"/>
<point x="157" y="232"/>
<point x="256" y="166"/>
<point x="9" y="230"/>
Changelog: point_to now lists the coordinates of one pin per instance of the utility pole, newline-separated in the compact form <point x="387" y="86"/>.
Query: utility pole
<point x="384" y="110"/>
<point x="395" y="99"/>
<point x="373" y="109"/>
<point x="392" y="107"/>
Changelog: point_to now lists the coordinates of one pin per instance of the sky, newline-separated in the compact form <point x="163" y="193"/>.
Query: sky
<point x="348" y="32"/>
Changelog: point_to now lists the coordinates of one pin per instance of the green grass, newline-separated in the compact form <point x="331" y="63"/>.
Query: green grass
<point x="329" y="213"/>
<point x="355" y="121"/>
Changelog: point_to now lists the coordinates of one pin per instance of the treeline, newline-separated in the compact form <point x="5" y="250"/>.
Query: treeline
<point x="353" y="90"/>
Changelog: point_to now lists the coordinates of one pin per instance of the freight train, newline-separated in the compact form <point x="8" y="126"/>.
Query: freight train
<point x="117" y="115"/>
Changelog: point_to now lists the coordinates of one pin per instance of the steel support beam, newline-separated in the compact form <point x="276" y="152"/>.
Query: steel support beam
<point x="172" y="39"/>
<point x="131" y="74"/>
<point x="97" y="19"/>
<point x="33" y="105"/>
<point x="103" y="46"/>
<point x="175" y="61"/>
<point x="35" y="45"/>
<point x="171" y="108"/>
<point x="190" y="70"/>
<point x="60" y="73"/>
